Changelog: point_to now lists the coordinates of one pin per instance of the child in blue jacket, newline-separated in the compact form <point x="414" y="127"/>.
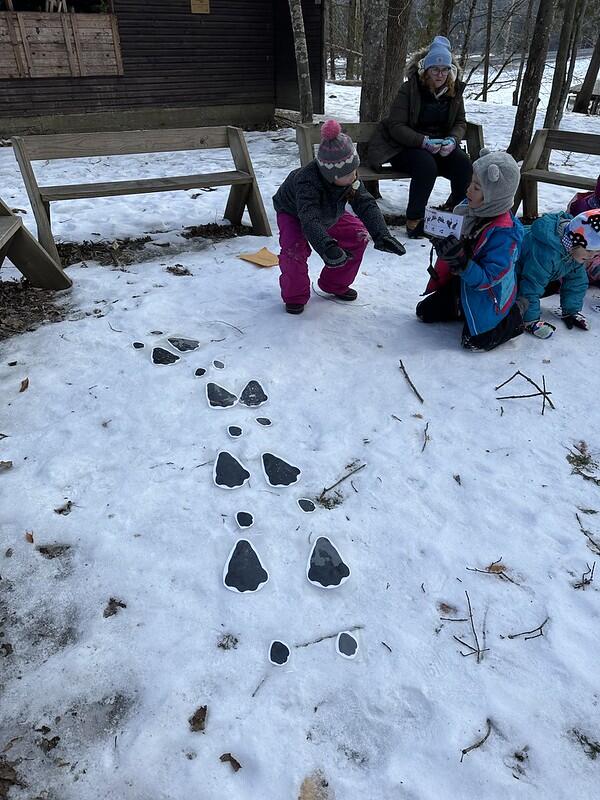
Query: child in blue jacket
<point x="474" y="277"/>
<point x="558" y="247"/>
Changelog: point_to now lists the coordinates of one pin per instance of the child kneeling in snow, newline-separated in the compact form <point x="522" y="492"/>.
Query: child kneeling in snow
<point x="474" y="277"/>
<point x="311" y="210"/>
<point x="558" y="248"/>
<point x="588" y="201"/>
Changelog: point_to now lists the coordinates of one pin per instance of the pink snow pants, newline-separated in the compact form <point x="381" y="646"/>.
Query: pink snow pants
<point x="350" y="234"/>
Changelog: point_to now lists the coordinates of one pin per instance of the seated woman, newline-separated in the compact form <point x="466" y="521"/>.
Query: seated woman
<point x="474" y="278"/>
<point x="421" y="134"/>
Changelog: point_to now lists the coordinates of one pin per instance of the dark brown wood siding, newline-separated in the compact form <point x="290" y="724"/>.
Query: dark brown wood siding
<point x="172" y="58"/>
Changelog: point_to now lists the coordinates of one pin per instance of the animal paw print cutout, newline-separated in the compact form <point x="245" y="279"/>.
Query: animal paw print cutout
<point x="594" y="222"/>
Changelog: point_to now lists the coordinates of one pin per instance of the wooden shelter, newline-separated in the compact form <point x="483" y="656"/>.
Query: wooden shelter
<point x="130" y="64"/>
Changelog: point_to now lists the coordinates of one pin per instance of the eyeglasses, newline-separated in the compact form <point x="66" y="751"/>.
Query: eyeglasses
<point x="440" y="70"/>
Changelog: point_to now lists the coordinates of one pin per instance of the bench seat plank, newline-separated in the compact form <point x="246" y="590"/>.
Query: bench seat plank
<point x="168" y="184"/>
<point x="559" y="178"/>
<point x="387" y="173"/>
<point x="8" y="227"/>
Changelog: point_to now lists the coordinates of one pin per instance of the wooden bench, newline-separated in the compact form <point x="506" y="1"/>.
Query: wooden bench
<point x="28" y="256"/>
<point x="307" y="136"/>
<point x="244" y="187"/>
<point x="531" y="174"/>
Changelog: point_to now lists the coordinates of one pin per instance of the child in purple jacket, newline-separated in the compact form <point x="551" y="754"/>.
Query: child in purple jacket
<point x="311" y="211"/>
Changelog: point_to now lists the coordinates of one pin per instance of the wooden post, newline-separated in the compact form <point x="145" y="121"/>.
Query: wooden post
<point x="528" y="188"/>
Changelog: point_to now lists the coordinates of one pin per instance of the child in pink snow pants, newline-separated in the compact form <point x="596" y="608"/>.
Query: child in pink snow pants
<point x="311" y="212"/>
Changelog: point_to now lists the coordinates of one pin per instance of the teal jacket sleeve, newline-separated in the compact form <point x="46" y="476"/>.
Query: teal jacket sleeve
<point x="572" y="290"/>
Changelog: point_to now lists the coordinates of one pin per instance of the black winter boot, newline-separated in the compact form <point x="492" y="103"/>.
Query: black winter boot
<point x="294" y="308"/>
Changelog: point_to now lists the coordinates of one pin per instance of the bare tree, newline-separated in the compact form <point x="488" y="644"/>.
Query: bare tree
<point x="399" y="15"/>
<point x="446" y="16"/>
<point x="329" y="34"/>
<point x="304" y="87"/>
<point x="525" y="116"/>
<point x="464" y="52"/>
<point x="353" y="40"/>
<point x="374" y="44"/>
<point x="526" y="31"/>
<point x="580" y="13"/>
<point x="560" y="68"/>
<point x="585" y="95"/>
<point x="488" y="47"/>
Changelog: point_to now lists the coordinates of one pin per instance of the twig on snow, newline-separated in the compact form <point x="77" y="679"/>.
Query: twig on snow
<point x="476" y="650"/>
<point x="328" y="636"/>
<point x="466" y="750"/>
<point x="387" y="647"/>
<point x="593" y="544"/>
<point x="255" y="692"/>
<point x="116" y="330"/>
<point x="540" y="392"/>
<point x="337" y="483"/>
<point x="539" y="629"/>
<point x="426" y="437"/>
<point x="499" y="573"/>
<point x="586" y="578"/>
<point x="411" y="384"/>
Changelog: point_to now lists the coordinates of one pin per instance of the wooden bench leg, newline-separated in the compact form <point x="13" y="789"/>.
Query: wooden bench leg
<point x="253" y="198"/>
<point x="236" y="203"/>
<point x="530" y="199"/>
<point x="28" y="256"/>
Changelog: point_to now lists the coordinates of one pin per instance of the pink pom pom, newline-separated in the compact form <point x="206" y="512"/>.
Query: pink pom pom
<point x="330" y="130"/>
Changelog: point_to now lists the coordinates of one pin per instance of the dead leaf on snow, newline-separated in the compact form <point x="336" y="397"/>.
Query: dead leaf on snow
<point x="24" y="385"/>
<point x="113" y="607"/>
<point x="446" y="609"/>
<point x="235" y="764"/>
<point x="29" y="536"/>
<point x="4" y="465"/>
<point x="496" y="567"/>
<point x="198" y="719"/>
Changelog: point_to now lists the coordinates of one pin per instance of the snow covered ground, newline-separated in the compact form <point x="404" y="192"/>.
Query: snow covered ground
<point x="98" y="707"/>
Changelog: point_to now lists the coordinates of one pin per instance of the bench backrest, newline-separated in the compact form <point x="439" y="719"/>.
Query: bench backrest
<point x="573" y="141"/>
<point x="307" y="136"/>
<point x="120" y="143"/>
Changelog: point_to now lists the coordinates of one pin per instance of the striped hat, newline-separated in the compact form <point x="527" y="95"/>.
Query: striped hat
<point x="337" y="154"/>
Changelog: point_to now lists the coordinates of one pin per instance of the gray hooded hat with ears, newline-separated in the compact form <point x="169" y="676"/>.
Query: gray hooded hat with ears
<point x="498" y="175"/>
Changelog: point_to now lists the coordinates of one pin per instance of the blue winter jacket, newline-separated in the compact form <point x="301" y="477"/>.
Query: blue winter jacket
<point x="488" y="284"/>
<point x="543" y="259"/>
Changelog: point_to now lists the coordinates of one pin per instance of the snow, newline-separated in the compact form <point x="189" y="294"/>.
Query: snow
<point x="132" y="445"/>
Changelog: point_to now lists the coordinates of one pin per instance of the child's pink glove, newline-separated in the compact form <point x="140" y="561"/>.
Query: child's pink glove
<point x="448" y="145"/>
<point x="431" y="145"/>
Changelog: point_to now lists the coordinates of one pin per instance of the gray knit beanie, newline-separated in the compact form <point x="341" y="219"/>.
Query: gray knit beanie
<point x="337" y="154"/>
<point x="499" y="176"/>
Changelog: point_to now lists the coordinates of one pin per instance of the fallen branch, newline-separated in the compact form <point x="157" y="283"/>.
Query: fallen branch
<point x="540" y="392"/>
<point x="466" y="750"/>
<point x="411" y="384"/>
<point x="337" y="483"/>
<point x="539" y="629"/>
<point x="329" y="636"/>
<point x="475" y="650"/>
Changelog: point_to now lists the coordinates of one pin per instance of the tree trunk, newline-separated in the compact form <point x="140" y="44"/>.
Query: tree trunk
<point x="488" y="45"/>
<point x="446" y="17"/>
<point x="464" y="53"/>
<point x="536" y="61"/>
<point x="585" y="95"/>
<point x="353" y="9"/>
<point x="329" y="34"/>
<point x="399" y="16"/>
<point x="374" y="44"/>
<point x="526" y="30"/>
<point x="574" y="48"/>
<point x="373" y="67"/>
<point x="554" y="110"/>
<point x="304" y="87"/>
